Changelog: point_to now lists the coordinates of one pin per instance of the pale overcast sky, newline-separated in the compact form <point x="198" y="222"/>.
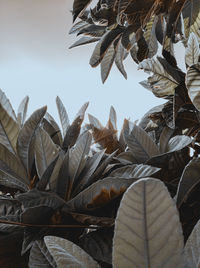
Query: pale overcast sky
<point x="35" y="61"/>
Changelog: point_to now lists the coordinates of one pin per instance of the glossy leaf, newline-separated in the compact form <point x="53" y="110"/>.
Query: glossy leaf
<point x="5" y="103"/>
<point x="99" y="194"/>
<point x="162" y="84"/>
<point x="26" y="134"/>
<point x="68" y="254"/>
<point x="178" y="142"/>
<point x="193" y="84"/>
<point x="84" y="40"/>
<point x="64" y="119"/>
<point x="134" y="171"/>
<point x="45" y="151"/>
<point x="79" y="6"/>
<point x="9" y="129"/>
<point x="192" y="51"/>
<point x="139" y="240"/>
<point x="11" y="165"/>
<point x="22" y="111"/>
<point x="189" y="179"/>
<point x="140" y="144"/>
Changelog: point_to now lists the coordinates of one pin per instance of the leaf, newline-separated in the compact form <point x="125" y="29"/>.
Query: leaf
<point x="63" y="179"/>
<point x="5" y="103"/>
<point x="83" y="41"/>
<point x="192" y="248"/>
<point x="78" y="154"/>
<point x="45" y="151"/>
<point x="147" y="230"/>
<point x="45" y="178"/>
<point x="94" y="122"/>
<point x="78" y="26"/>
<point x="178" y="142"/>
<point x="189" y="179"/>
<point x="26" y="134"/>
<point x="89" y="169"/>
<point x="164" y="139"/>
<point x="11" y="165"/>
<point x="112" y="123"/>
<point x="193" y="83"/>
<point x="150" y="37"/>
<point x="9" y="129"/>
<point x="134" y="171"/>
<point x="162" y="84"/>
<point x="40" y="256"/>
<point x="68" y="254"/>
<point x="79" y="6"/>
<point x="107" y="62"/>
<point x="99" y="194"/>
<point x="192" y="51"/>
<point x="140" y="143"/>
<point x="93" y="30"/>
<point x="98" y="244"/>
<point x="103" y="45"/>
<point x="11" y="181"/>
<point x="54" y="127"/>
<point x="64" y="119"/>
<point x="74" y="130"/>
<point x="22" y="111"/>
<point x="119" y="57"/>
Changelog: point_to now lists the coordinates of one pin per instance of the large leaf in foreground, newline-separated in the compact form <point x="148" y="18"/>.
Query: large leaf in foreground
<point x="68" y="254"/>
<point x="147" y="231"/>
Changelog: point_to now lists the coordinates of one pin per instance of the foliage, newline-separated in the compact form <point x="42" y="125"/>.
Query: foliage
<point x="85" y="196"/>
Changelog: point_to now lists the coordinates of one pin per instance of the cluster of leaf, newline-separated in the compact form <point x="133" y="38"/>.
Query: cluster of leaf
<point x="132" y="26"/>
<point x="57" y="183"/>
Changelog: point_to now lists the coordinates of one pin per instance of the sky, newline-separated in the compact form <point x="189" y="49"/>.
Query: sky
<point x="35" y="61"/>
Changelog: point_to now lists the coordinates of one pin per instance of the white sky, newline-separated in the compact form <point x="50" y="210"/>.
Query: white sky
<point x="35" y="61"/>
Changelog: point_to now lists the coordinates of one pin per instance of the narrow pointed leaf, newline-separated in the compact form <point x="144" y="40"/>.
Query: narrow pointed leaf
<point x="9" y="130"/>
<point x="139" y="240"/>
<point x="26" y="134"/>
<point x="84" y="40"/>
<point x="107" y="62"/>
<point x="78" y="154"/>
<point x="119" y="57"/>
<point x="22" y="111"/>
<point x="45" y="151"/>
<point x="68" y="254"/>
<point x="4" y="101"/>
<point x="64" y="119"/>
<point x="79" y="6"/>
